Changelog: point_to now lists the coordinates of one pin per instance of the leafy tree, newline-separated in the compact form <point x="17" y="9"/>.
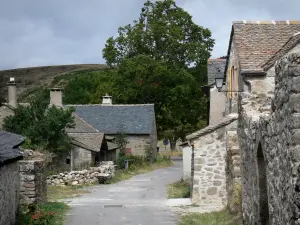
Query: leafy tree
<point x="87" y="87"/>
<point x="44" y="127"/>
<point x="163" y="31"/>
<point x="121" y="143"/>
<point x="161" y="58"/>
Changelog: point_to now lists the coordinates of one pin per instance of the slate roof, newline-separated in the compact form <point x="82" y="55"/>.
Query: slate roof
<point x="257" y="42"/>
<point x="213" y="65"/>
<point x="111" y="119"/>
<point x="223" y="122"/>
<point x="9" y="144"/>
<point x="89" y="141"/>
<point x="81" y="126"/>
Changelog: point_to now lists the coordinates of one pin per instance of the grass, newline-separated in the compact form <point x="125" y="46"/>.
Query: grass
<point x="179" y="189"/>
<point x="213" y="218"/>
<point x="59" y="210"/>
<point x="55" y="193"/>
<point x="121" y="175"/>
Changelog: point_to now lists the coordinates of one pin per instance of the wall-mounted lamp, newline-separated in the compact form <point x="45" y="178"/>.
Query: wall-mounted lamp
<point x="220" y="82"/>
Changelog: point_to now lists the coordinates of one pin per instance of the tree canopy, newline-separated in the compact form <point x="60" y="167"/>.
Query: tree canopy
<point x="162" y="59"/>
<point x="164" y="32"/>
<point x="43" y="126"/>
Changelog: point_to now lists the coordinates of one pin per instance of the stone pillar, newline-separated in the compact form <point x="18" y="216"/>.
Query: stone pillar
<point x="33" y="181"/>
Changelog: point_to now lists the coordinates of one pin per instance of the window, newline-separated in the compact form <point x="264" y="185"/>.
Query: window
<point x="68" y="161"/>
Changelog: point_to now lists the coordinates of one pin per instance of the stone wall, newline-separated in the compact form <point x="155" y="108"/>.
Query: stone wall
<point x="270" y="151"/>
<point x="138" y="143"/>
<point x="209" y="162"/>
<point x="81" y="158"/>
<point x="9" y="193"/>
<point x="93" y="175"/>
<point x="233" y="172"/>
<point x="33" y="187"/>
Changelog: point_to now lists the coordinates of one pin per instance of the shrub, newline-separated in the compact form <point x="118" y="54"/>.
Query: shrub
<point x="44" y="214"/>
<point x="149" y="153"/>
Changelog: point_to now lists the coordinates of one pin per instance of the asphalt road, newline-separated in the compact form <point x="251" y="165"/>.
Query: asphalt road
<point x="139" y="201"/>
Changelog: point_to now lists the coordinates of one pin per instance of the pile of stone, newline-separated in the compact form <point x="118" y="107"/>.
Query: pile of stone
<point x="95" y="175"/>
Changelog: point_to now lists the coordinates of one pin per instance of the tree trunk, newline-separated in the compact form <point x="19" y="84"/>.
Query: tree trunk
<point x="173" y="144"/>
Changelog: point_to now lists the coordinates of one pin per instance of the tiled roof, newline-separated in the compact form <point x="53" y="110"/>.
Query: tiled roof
<point x="89" y="141"/>
<point x="225" y="121"/>
<point x="212" y="67"/>
<point x="291" y="43"/>
<point x="258" y="41"/>
<point x="111" y="119"/>
<point x="9" y="144"/>
<point x="81" y="126"/>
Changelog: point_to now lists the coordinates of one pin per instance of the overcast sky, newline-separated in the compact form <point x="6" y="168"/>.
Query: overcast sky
<point x="40" y="32"/>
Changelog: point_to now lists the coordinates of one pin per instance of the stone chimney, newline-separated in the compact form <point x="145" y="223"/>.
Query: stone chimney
<point x="12" y="92"/>
<point x="56" y="97"/>
<point x="106" y="100"/>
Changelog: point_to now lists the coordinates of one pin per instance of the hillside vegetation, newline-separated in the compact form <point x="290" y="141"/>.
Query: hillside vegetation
<point x="28" y="79"/>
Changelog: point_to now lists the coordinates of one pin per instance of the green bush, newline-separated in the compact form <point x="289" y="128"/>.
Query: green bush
<point x="43" y="214"/>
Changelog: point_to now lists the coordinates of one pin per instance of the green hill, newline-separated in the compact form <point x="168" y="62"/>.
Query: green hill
<point x="31" y="78"/>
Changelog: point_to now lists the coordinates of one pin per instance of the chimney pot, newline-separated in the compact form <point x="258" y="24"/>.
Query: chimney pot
<point x="56" y="97"/>
<point x="106" y="100"/>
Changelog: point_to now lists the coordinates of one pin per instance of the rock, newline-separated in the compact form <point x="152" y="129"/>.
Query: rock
<point x="75" y="182"/>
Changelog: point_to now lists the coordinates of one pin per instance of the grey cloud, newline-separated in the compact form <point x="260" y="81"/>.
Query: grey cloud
<point x="35" y="33"/>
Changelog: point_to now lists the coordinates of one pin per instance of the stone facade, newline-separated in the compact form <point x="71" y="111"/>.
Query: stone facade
<point x="33" y="187"/>
<point x="93" y="175"/>
<point x="270" y="152"/>
<point x="9" y="193"/>
<point x="209" y="156"/>
<point x="81" y="158"/>
<point x="138" y="143"/>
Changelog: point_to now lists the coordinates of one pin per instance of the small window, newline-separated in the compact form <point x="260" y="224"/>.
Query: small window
<point x="68" y="161"/>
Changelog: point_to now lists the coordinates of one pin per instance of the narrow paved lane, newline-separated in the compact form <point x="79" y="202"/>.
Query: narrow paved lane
<point x="138" y="201"/>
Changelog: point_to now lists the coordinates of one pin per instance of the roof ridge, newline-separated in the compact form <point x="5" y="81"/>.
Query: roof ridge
<point x="85" y="122"/>
<point x="216" y="59"/>
<point x="264" y="22"/>
<point x="223" y="122"/>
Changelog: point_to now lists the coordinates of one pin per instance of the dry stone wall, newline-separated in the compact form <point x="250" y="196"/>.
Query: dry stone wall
<point x="93" y="175"/>
<point x="33" y="186"/>
<point x="233" y="171"/>
<point x="270" y="153"/>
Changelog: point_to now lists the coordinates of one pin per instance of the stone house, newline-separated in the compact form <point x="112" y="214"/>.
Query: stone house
<point x="9" y="176"/>
<point x="267" y="117"/>
<point x="137" y="122"/>
<point x="260" y="144"/>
